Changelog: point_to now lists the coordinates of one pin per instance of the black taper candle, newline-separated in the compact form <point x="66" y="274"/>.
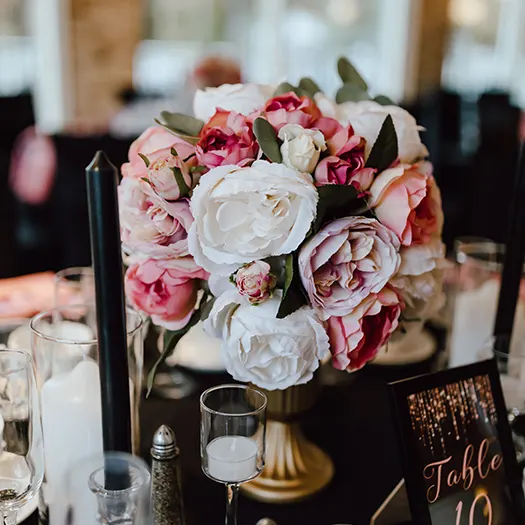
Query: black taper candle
<point x="513" y="263"/>
<point x="102" y="179"/>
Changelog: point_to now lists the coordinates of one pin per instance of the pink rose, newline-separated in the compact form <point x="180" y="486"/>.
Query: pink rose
<point x="291" y="109"/>
<point x="407" y="200"/>
<point x="355" y="339"/>
<point x="226" y="139"/>
<point x="345" y="262"/>
<point x="255" y="281"/>
<point x="161" y="177"/>
<point x="150" y="225"/>
<point x="167" y="291"/>
<point x="327" y="126"/>
<point x="153" y="139"/>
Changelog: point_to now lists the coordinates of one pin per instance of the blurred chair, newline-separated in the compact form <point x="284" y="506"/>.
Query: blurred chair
<point x="489" y="189"/>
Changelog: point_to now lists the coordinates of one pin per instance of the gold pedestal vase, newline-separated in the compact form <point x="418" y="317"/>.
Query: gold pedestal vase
<point x="295" y="467"/>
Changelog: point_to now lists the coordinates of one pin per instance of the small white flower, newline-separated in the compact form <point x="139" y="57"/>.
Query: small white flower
<point x="301" y="147"/>
<point x="247" y="214"/>
<point x="259" y="348"/>
<point x="241" y="98"/>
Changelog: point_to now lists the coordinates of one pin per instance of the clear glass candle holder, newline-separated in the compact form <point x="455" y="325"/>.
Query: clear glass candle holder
<point x="65" y="350"/>
<point x="233" y="438"/>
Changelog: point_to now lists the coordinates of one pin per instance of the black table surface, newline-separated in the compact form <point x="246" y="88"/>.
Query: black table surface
<point x="352" y="422"/>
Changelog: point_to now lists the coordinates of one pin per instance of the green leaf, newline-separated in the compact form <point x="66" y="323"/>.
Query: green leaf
<point x="170" y="341"/>
<point x="184" y="123"/>
<point x="184" y="189"/>
<point x="198" y="169"/>
<point x="309" y="86"/>
<point x="336" y="201"/>
<point x="173" y="151"/>
<point x="351" y="93"/>
<point x="206" y="308"/>
<point x="267" y="139"/>
<point x="385" y="149"/>
<point x="383" y="100"/>
<point x="293" y="296"/>
<point x="145" y="159"/>
<point x="283" y="88"/>
<point x="350" y="75"/>
<point x="144" y="179"/>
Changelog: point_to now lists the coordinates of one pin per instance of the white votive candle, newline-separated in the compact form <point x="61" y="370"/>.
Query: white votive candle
<point x="232" y="458"/>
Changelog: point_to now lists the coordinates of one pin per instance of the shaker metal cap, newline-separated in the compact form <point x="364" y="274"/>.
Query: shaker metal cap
<point x="164" y="442"/>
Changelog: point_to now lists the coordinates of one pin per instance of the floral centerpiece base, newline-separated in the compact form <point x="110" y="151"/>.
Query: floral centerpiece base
<point x="295" y="467"/>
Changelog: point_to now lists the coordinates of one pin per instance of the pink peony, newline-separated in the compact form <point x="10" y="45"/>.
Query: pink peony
<point x="407" y="200"/>
<point x="345" y="262"/>
<point x="291" y="109"/>
<point x="226" y="139"/>
<point x="355" y="339"/>
<point x="165" y="290"/>
<point x="327" y="126"/>
<point x="150" y="225"/>
<point x="255" y="282"/>
<point x="153" y="139"/>
<point x="160" y="174"/>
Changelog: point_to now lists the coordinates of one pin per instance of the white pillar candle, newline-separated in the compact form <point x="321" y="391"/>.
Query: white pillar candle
<point x="232" y="459"/>
<point x="72" y="428"/>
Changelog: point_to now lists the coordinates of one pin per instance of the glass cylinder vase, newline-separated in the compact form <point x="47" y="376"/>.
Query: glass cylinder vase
<point x="65" y="351"/>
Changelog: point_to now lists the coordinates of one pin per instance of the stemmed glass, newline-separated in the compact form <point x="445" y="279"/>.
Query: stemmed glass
<point x="233" y="438"/>
<point x="22" y="451"/>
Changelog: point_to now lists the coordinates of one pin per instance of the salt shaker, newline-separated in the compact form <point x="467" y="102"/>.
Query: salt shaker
<point x="168" y="507"/>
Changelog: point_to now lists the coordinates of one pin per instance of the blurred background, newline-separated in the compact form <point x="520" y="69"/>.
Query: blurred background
<point x="82" y="75"/>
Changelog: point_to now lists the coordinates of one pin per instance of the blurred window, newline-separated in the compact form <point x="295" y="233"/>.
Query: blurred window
<point x="272" y="39"/>
<point x="16" y="60"/>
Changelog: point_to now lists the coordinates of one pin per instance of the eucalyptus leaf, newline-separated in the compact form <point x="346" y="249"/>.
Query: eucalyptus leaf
<point x="170" y="342"/>
<point x="267" y="139"/>
<point x="385" y="149"/>
<point x="350" y="75"/>
<point x="336" y="201"/>
<point x="383" y="100"/>
<point x="184" y="189"/>
<point x="173" y="151"/>
<point x="145" y="159"/>
<point x="187" y="138"/>
<point x="351" y="93"/>
<point x="293" y="296"/>
<point x="309" y="86"/>
<point x="183" y="123"/>
<point x="283" y="88"/>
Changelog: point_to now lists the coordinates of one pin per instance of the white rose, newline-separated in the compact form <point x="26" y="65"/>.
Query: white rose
<point x="245" y="214"/>
<point x="301" y="147"/>
<point x="420" y="279"/>
<point x="367" y="117"/>
<point x="261" y="349"/>
<point x="241" y="98"/>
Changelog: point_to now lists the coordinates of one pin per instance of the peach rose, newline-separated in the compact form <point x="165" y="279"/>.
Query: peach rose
<point x="407" y="200"/>
<point x="356" y="338"/>
<point x="291" y="109"/>
<point x="225" y="140"/>
<point x="152" y="140"/>
<point x="167" y="291"/>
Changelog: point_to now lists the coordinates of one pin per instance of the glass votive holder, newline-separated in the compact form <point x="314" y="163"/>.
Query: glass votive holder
<point x="113" y="488"/>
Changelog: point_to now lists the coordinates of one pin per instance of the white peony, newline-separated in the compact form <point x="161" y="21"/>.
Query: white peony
<point x="241" y="98"/>
<point x="261" y="349"/>
<point x="367" y="117"/>
<point x="245" y="214"/>
<point x="301" y="147"/>
<point x="327" y="105"/>
<point x="420" y="279"/>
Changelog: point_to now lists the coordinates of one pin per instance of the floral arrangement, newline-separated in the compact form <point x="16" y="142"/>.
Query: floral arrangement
<point x="295" y="225"/>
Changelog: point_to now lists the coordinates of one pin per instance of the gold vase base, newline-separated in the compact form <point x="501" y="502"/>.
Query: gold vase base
<point x="295" y="467"/>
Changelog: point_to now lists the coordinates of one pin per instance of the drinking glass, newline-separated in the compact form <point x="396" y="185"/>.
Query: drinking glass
<point x="233" y="438"/>
<point x="474" y="298"/>
<point x="22" y="450"/>
<point x="65" y="350"/>
<point x="512" y="376"/>
<point x="74" y="286"/>
<point x="113" y="488"/>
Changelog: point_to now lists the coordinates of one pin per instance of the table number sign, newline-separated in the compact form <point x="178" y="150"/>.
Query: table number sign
<point x="459" y="461"/>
